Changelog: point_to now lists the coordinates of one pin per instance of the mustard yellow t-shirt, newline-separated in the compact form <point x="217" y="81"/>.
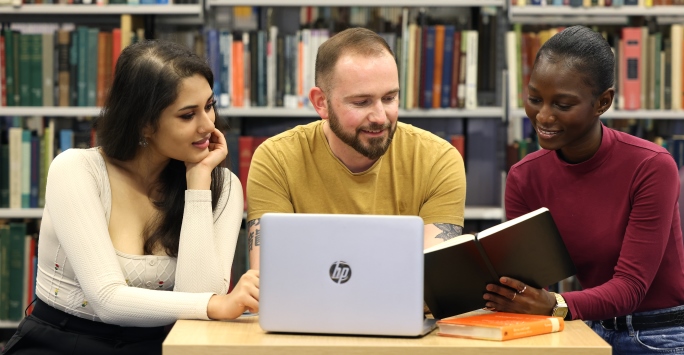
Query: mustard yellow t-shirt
<point x="420" y="174"/>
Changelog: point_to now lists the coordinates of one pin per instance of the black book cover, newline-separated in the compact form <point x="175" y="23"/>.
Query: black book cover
<point x="528" y="248"/>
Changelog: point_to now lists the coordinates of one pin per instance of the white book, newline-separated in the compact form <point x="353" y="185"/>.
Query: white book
<point x="15" y="165"/>
<point x="410" y="73"/>
<point x="643" y="69"/>
<point x="271" y="62"/>
<point x="512" y="65"/>
<point x="247" y="64"/>
<point x="403" y="70"/>
<point x="48" y="41"/>
<point x="307" y="65"/>
<point x="471" y="71"/>
<point x="25" y="168"/>
<point x="676" y="39"/>
<point x="225" y="49"/>
<point x="662" y="80"/>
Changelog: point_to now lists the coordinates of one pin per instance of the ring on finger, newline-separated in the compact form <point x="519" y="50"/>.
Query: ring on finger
<point x="523" y="289"/>
<point x="514" y="294"/>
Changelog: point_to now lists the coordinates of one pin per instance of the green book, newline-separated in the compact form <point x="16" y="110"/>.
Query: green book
<point x="9" y="67"/>
<point x="82" y="81"/>
<point x="4" y="272"/>
<point x="25" y="43"/>
<point x="4" y="175"/>
<point x="17" y="236"/>
<point x="36" y="65"/>
<point x="91" y="85"/>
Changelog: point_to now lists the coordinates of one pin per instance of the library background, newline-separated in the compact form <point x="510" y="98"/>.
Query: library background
<point x="463" y="69"/>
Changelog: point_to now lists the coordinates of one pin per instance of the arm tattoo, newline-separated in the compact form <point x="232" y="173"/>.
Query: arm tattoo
<point x="448" y="231"/>
<point x="254" y="237"/>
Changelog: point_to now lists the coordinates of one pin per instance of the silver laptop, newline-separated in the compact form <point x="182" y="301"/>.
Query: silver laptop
<point x="342" y="274"/>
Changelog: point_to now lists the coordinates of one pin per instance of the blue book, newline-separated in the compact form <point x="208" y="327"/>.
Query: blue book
<point x="535" y="2"/>
<point x="576" y="3"/>
<point x="214" y="60"/>
<point x="25" y="168"/>
<point x="448" y="63"/>
<point x="35" y="171"/>
<point x="558" y="2"/>
<point x="631" y="2"/>
<point x="82" y="78"/>
<point x="66" y="139"/>
<point x="429" y="65"/>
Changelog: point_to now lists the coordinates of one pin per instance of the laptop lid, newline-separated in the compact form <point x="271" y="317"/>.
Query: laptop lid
<point x="341" y="274"/>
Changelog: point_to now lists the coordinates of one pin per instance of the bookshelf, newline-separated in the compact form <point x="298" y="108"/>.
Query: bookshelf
<point x="6" y="213"/>
<point x="50" y="111"/>
<point x="594" y="11"/>
<point x="4" y="324"/>
<point x="55" y="9"/>
<point x="445" y="3"/>
<point x="480" y="112"/>
<point x="624" y="114"/>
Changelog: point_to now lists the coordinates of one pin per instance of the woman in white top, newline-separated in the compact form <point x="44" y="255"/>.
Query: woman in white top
<point x="151" y="209"/>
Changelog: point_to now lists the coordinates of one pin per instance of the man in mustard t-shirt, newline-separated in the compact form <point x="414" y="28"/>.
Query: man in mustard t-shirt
<point x="358" y="159"/>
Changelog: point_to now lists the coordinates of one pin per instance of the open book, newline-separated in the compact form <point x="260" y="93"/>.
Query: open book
<point x="528" y="248"/>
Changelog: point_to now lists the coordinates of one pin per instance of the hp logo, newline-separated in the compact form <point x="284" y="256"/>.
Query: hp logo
<point x="340" y="272"/>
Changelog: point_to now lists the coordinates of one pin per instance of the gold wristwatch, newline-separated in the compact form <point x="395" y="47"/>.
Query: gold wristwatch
<point x="561" y="308"/>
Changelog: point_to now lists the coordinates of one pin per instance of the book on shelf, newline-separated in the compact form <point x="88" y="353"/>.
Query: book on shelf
<point x="499" y="326"/>
<point x="528" y="248"/>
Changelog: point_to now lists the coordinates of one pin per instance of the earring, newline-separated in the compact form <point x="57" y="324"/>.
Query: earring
<point x="143" y="142"/>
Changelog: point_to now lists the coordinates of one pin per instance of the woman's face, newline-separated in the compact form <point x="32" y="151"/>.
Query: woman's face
<point x="186" y="125"/>
<point x="563" y="111"/>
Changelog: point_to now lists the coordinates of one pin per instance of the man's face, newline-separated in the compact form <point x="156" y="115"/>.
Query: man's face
<point x="363" y="103"/>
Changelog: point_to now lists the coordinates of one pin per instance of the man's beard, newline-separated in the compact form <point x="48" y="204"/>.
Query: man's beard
<point x="375" y="148"/>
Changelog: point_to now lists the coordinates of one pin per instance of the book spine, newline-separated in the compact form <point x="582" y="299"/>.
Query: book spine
<point x="447" y="65"/>
<point x="438" y="70"/>
<point x="25" y="169"/>
<point x="36" y="68"/>
<point x="4" y="271"/>
<point x="546" y="326"/>
<point x="47" y="60"/>
<point x="15" y="154"/>
<point x="631" y="38"/>
<point x="92" y="62"/>
<point x="245" y="144"/>
<point x="4" y="176"/>
<point x="3" y="72"/>
<point x="17" y="234"/>
<point x="24" y="64"/>
<point x="471" y="73"/>
<point x="35" y="171"/>
<point x="428" y="67"/>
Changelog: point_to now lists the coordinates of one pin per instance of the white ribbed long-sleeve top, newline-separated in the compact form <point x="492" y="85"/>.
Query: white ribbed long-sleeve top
<point x="80" y="272"/>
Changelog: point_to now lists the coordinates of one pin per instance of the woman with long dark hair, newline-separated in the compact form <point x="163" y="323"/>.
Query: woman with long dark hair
<point x="150" y="209"/>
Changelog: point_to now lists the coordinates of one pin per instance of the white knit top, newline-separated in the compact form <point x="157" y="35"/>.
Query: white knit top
<point x="80" y="272"/>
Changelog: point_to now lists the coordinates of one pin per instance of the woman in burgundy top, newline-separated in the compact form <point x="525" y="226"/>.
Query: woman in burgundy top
<point x="613" y="197"/>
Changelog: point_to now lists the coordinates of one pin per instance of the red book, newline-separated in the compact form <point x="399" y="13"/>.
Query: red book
<point x="246" y="147"/>
<point x="458" y="141"/>
<point x="116" y="47"/>
<point x="455" y="69"/>
<point x="499" y="326"/>
<point x="631" y="61"/>
<point x="439" y="67"/>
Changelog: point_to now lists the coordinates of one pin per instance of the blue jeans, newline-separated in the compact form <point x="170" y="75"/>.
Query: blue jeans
<point x="669" y="340"/>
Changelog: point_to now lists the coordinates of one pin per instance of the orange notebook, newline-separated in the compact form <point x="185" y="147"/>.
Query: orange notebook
<point x="499" y="326"/>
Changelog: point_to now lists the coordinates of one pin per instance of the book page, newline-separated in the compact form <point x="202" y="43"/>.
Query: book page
<point x="453" y="241"/>
<point x="502" y="226"/>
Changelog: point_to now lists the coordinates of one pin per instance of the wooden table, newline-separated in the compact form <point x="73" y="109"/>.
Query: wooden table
<point x="244" y="336"/>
